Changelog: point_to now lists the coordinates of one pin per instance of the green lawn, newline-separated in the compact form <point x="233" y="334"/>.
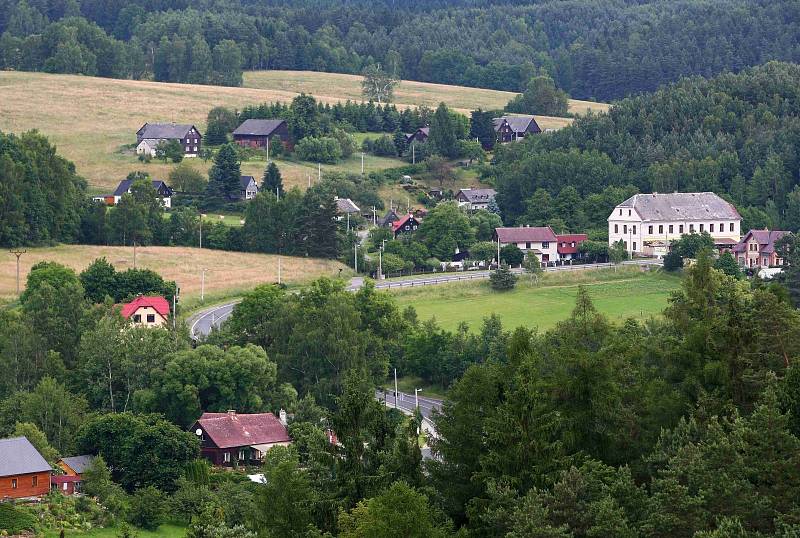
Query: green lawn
<point x="626" y="293"/>
<point x="164" y="531"/>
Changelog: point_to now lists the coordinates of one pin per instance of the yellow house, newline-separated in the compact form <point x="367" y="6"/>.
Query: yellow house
<point x="147" y="311"/>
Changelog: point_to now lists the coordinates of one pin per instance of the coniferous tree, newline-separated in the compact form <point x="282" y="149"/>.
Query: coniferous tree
<point x="443" y="133"/>
<point x="224" y="177"/>
<point x="272" y="181"/>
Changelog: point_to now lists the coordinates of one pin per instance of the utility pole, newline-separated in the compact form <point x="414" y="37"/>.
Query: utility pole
<point x="279" y="269"/>
<point x="374" y="217"/>
<point x="175" y="306"/>
<point x="362" y="163"/>
<point x="498" y="251"/>
<point x="18" y="253"/>
<point x="278" y="193"/>
<point x="134" y="253"/>
<point x="396" y="405"/>
<point x="355" y="257"/>
<point x="202" y="284"/>
<point x="380" y="263"/>
<point x="416" y="398"/>
<point x="348" y="223"/>
<point x="413" y="153"/>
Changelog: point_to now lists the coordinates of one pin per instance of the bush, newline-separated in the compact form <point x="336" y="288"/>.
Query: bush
<point x="147" y="508"/>
<point x="384" y="147"/>
<point x="512" y="255"/>
<point x="15" y="521"/>
<point x="673" y="261"/>
<point x="323" y="150"/>
<point x="502" y="279"/>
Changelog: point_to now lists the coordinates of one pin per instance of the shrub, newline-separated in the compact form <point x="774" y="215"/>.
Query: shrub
<point x="384" y="147"/>
<point x="324" y="149"/>
<point x="502" y="279"/>
<point x="673" y="261"/>
<point x="15" y="521"/>
<point x="147" y="508"/>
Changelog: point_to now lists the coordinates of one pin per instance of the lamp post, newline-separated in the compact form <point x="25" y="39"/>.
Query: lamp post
<point x="202" y="284"/>
<point x="362" y="163"/>
<point x="416" y="398"/>
<point x="18" y="253"/>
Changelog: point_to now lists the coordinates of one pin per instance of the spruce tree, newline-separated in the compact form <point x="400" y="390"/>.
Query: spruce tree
<point x="224" y="177"/>
<point x="443" y="133"/>
<point x="272" y="181"/>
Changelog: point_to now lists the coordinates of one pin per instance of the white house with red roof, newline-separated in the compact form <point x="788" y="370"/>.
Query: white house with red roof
<point x="241" y="438"/>
<point x="757" y="249"/>
<point x="147" y="311"/>
<point x="539" y="240"/>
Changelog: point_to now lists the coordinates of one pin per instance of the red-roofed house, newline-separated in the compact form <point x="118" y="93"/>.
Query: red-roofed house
<point x="230" y="437"/>
<point x="542" y="241"/>
<point x="757" y="249"/>
<point x="406" y="225"/>
<point x="147" y="311"/>
<point x="568" y="245"/>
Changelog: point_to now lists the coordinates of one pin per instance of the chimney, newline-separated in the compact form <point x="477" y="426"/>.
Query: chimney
<point x="282" y="417"/>
<point x="232" y="412"/>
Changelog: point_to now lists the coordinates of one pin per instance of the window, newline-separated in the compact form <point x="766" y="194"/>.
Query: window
<point x="624" y="228"/>
<point x="701" y="227"/>
<point x="620" y="212"/>
<point x="226" y="457"/>
<point x="671" y="228"/>
<point x="65" y="486"/>
<point x="634" y="228"/>
<point x="35" y="481"/>
<point x="680" y="228"/>
<point x="731" y="226"/>
<point x="661" y="228"/>
<point x="137" y="318"/>
<point x="691" y="228"/>
<point x="545" y="244"/>
<point x="616" y="228"/>
<point x="195" y="148"/>
<point x="625" y="244"/>
<point x="572" y="244"/>
<point x="528" y="245"/>
<point x="634" y="245"/>
<point x="629" y="212"/>
<point x="241" y="453"/>
<point x="13" y="483"/>
<point x="151" y="318"/>
<point x="650" y="229"/>
<point x="711" y="227"/>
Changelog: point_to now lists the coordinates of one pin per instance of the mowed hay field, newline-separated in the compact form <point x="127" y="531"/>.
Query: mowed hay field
<point x="227" y="272"/>
<point x="90" y="119"/>
<point x="626" y="293"/>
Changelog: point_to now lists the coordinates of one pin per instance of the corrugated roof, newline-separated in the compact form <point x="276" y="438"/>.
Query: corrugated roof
<point x="518" y="124"/>
<point x="246" y="181"/>
<point x="165" y="131"/>
<point x="680" y="206"/>
<point x="18" y="456"/>
<point x="525" y="234"/>
<point x="254" y="127"/>
<point x="233" y="429"/>
<point x="78" y="463"/>
<point x="346" y="205"/>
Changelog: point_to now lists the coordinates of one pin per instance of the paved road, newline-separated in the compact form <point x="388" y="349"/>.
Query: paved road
<point x="200" y="324"/>
<point x="405" y="402"/>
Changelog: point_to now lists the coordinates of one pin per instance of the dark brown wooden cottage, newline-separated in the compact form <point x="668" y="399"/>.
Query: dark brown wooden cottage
<point x="511" y="128"/>
<point x="258" y="133"/>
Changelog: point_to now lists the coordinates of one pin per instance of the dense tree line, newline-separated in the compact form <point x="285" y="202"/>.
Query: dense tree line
<point x="495" y="45"/>
<point x="735" y="135"/>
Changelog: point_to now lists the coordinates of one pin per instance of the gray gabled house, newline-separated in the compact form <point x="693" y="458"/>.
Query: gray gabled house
<point x="150" y="135"/>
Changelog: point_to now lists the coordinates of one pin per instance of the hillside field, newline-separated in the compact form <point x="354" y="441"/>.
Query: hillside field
<point x="92" y="120"/>
<point x="626" y="293"/>
<point x="227" y="272"/>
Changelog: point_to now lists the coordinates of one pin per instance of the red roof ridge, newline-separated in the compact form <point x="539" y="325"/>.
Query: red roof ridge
<point x="158" y="303"/>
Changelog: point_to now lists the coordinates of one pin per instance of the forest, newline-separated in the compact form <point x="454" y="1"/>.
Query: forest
<point x="582" y="45"/>
<point x="735" y="134"/>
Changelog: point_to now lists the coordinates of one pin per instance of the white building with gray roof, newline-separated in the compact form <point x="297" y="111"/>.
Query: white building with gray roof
<point x="647" y="223"/>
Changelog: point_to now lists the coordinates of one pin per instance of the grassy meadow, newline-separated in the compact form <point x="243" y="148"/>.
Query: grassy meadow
<point x="618" y="295"/>
<point x="228" y="273"/>
<point x="164" y="531"/>
<point x="93" y="121"/>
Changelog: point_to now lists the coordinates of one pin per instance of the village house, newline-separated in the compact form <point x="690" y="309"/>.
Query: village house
<point x="647" y="223"/>
<point x="255" y="133"/>
<point x="72" y="480"/>
<point x="150" y="135"/>
<point x="541" y="241"/>
<point x="24" y="473"/>
<point x="420" y="135"/>
<point x="513" y="128"/>
<point x="569" y="246"/>
<point x="346" y="207"/>
<point x="406" y="225"/>
<point x="388" y="219"/>
<point x="474" y="199"/>
<point x="124" y="187"/>
<point x="146" y="311"/>
<point x="249" y="188"/>
<point x="757" y="249"/>
<point x="239" y="438"/>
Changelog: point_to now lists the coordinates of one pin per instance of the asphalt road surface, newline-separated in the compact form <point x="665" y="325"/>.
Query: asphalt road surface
<point x="407" y="404"/>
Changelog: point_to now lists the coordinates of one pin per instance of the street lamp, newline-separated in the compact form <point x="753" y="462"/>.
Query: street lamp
<point x="202" y="284"/>
<point x="416" y="397"/>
